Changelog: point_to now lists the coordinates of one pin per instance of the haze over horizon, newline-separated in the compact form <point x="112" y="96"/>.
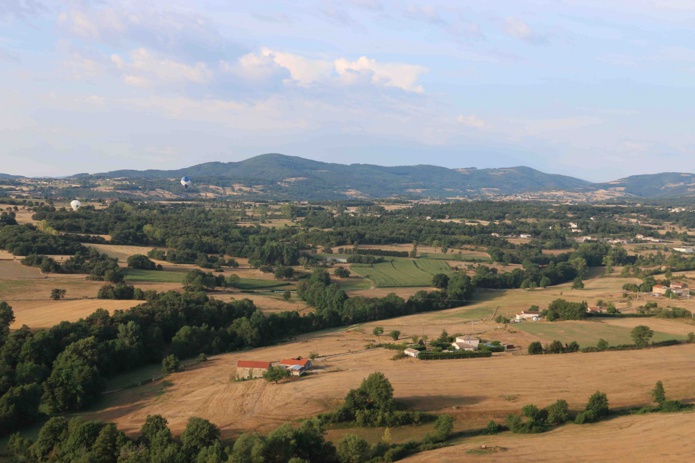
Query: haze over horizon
<point x="595" y="90"/>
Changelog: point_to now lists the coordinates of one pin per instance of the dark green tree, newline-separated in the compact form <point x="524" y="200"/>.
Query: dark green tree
<point x="641" y="335"/>
<point x="378" y="331"/>
<point x="275" y="374"/>
<point x="440" y="280"/>
<point x="353" y="449"/>
<point x="199" y="433"/>
<point x="142" y="262"/>
<point x="443" y="426"/>
<point x="170" y="364"/>
<point x="535" y="348"/>
<point x="658" y="393"/>
<point x="57" y="294"/>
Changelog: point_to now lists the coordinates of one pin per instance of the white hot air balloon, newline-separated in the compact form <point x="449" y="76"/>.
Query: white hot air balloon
<point x="185" y="182"/>
<point x="75" y="204"/>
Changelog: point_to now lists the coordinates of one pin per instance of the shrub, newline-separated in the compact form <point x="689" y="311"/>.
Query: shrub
<point x="170" y="364"/>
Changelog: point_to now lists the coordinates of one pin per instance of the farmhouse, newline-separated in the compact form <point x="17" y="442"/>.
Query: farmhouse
<point x="680" y="289"/>
<point x="466" y="343"/>
<point x="411" y="352"/>
<point x="596" y="309"/>
<point x="677" y="289"/>
<point x="685" y="249"/>
<point x="528" y="315"/>
<point x="659" y="290"/>
<point x="296" y="367"/>
<point x="304" y="363"/>
<point x="247" y="369"/>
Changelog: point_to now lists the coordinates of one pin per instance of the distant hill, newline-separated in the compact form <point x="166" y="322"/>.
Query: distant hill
<point x="664" y="185"/>
<point x="8" y="176"/>
<point x="295" y="177"/>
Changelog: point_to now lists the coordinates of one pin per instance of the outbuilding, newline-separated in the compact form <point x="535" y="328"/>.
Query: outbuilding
<point x="248" y="369"/>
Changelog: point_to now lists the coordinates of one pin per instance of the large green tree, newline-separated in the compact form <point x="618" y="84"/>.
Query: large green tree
<point x="641" y="335"/>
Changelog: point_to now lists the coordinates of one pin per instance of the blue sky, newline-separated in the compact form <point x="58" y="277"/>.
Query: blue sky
<point x="594" y="89"/>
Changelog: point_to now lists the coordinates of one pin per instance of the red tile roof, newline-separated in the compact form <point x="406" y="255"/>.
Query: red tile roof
<point x="252" y="364"/>
<point x="301" y="362"/>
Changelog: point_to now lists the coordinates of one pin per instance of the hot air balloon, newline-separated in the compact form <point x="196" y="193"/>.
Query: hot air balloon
<point x="186" y="182"/>
<point x="75" y="204"/>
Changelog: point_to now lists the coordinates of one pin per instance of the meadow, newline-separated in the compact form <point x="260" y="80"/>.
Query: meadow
<point x="156" y="276"/>
<point x="402" y="272"/>
<point x="588" y="333"/>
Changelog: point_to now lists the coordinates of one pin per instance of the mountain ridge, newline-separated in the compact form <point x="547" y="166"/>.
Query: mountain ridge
<point x="294" y="177"/>
<point x="274" y="175"/>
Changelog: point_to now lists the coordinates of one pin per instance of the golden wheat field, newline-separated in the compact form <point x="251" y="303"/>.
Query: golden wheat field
<point x="472" y="390"/>
<point x="662" y="438"/>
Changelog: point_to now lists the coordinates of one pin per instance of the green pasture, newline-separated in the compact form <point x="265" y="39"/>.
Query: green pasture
<point x="154" y="276"/>
<point x="462" y="313"/>
<point x="248" y="284"/>
<point x="402" y="272"/>
<point x="463" y="257"/>
<point x="586" y="333"/>
<point x="353" y="283"/>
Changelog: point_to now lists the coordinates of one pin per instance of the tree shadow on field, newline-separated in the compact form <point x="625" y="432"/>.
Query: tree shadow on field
<point x="486" y="294"/>
<point x="438" y="402"/>
<point x="114" y="406"/>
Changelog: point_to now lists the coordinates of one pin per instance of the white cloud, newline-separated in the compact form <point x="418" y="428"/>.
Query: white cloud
<point x="83" y="66"/>
<point x="471" y="121"/>
<point x="305" y="71"/>
<point x="403" y="76"/>
<point x="96" y="26"/>
<point x="146" y="68"/>
<point x="522" y="31"/>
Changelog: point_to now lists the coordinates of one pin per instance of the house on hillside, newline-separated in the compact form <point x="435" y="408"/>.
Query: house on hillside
<point x="297" y="367"/>
<point x="685" y="249"/>
<point x="466" y="342"/>
<point x="248" y="369"/>
<point x="534" y="315"/>
<point x="596" y="309"/>
<point x="680" y="289"/>
<point x="659" y="290"/>
<point x="411" y="352"/>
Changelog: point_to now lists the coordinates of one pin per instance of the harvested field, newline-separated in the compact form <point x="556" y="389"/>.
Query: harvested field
<point x="46" y="313"/>
<point x="267" y="303"/>
<point x="658" y="437"/>
<point x="439" y="386"/>
<point x="120" y="252"/>
<point x="13" y="270"/>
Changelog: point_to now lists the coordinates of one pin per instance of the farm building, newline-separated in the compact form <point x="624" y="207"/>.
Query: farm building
<point x="411" y="352"/>
<point x="297" y="367"/>
<point x="676" y="288"/>
<point x="595" y="309"/>
<point x="247" y="369"/>
<point x="528" y="315"/>
<point x="659" y="290"/>
<point x="466" y="343"/>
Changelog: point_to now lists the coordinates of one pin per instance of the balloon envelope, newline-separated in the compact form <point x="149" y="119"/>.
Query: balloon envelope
<point x="186" y="182"/>
<point x="75" y="204"/>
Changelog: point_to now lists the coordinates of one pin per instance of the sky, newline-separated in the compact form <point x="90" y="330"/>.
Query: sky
<point x="594" y="89"/>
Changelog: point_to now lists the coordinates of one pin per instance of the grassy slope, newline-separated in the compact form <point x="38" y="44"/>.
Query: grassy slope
<point x="587" y="333"/>
<point x="402" y="272"/>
